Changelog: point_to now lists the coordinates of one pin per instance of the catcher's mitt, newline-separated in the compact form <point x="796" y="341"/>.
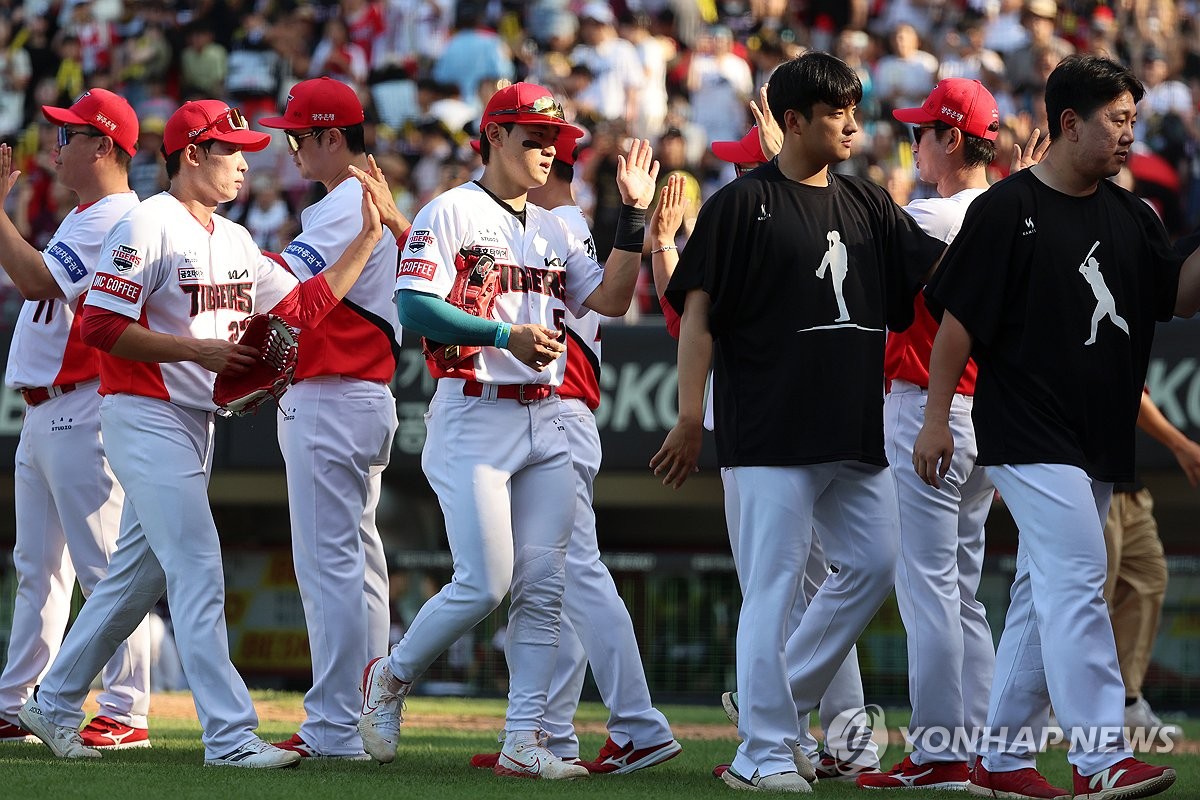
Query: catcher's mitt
<point x="268" y="379"/>
<point x="476" y="282"/>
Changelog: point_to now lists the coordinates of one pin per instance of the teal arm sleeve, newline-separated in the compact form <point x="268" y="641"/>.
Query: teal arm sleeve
<point x="432" y="316"/>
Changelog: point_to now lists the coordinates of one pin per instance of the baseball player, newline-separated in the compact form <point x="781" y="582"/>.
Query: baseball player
<point x="951" y="655"/>
<point x="68" y="503"/>
<point x="335" y="428"/>
<point x="497" y="452"/>
<point x="1023" y="241"/>
<point x="596" y="627"/>
<point x="171" y="295"/>
<point x="747" y="288"/>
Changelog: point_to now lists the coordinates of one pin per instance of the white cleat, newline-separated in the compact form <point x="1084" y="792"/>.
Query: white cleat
<point x="256" y="754"/>
<point x="525" y="755"/>
<point x="64" y="742"/>
<point x="779" y="782"/>
<point x="382" y="710"/>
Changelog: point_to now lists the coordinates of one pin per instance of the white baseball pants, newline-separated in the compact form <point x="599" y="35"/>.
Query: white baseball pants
<point x="335" y="434"/>
<point x="502" y="473"/>
<point x="1057" y="644"/>
<point x="596" y="626"/>
<point x="951" y="656"/>
<point x="68" y="508"/>
<point x="162" y="454"/>
<point x="780" y="670"/>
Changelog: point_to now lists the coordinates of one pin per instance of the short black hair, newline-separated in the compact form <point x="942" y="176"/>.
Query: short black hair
<point x="562" y="170"/>
<point x="356" y="138"/>
<point x="1085" y="83"/>
<point x="977" y="151"/>
<point x="815" y="77"/>
<point x="174" y="159"/>
<point x="485" y="147"/>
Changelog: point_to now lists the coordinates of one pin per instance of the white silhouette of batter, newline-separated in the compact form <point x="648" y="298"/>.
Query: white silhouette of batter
<point x="1106" y="306"/>
<point x="838" y="262"/>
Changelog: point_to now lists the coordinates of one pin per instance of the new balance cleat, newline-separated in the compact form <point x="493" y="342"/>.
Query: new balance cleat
<point x="11" y="733"/>
<point x="907" y="775"/>
<point x="779" y="782"/>
<point x="382" y="710"/>
<point x="256" y="754"/>
<point x="105" y="733"/>
<point x="614" y="760"/>
<point x="63" y="741"/>
<point x="1125" y="779"/>
<point x="1016" y="783"/>
<point x="526" y="756"/>
<point x="306" y="750"/>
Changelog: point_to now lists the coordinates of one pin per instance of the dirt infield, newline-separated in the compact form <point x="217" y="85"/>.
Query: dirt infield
<point x="180" y="706"/>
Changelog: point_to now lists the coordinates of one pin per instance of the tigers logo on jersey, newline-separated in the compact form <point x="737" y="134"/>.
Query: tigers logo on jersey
<point x="125" y="258"/>
<point x="417" y="240"/>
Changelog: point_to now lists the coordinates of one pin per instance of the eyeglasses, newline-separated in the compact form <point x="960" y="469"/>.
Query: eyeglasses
<point x="65" y="134"/>
<point x="544" y="106"/>
<point x="232" y="120"/>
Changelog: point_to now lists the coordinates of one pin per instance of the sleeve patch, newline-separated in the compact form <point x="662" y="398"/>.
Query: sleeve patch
<point x="118" y="287"/>
<point x="70" y="261"/>
<point x="125" y="258"/>
<point x="307" y="254"/>
<point x="418" y="268"/>
<point x="418" y="240"/>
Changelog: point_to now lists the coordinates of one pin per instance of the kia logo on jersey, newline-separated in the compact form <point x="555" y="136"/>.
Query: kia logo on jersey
<point x="418" y="239"/>
<point x="125" y="258"/>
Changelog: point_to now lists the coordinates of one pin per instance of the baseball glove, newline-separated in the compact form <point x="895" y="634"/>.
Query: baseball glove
<point x="476" y="282"/>
<point x="244" y="393"/>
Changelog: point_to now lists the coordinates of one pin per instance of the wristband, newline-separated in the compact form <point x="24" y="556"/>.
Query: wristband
<point x="503" y="329"/>
<point x="663" y="248"/>
<point x="631" y="229"/>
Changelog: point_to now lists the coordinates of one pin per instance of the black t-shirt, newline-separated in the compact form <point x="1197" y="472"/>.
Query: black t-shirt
<point x="1060" y="294"/>
<point x="798" y="358"/>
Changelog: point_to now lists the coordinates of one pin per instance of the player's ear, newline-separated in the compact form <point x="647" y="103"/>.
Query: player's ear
<point x="1069" y="120"/>
<point x="793" y="121"/>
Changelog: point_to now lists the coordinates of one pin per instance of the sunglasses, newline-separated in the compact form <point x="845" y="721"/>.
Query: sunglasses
<point x="65" y="134"/>
<point x="543" y="106"/>
<point x="918" y="130"/>
<point x="232" y="120"/>
<point x="294" y="140"/>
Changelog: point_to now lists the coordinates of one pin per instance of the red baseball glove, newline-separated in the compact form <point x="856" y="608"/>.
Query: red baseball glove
<point x="268" y="379"/>
<point x="476" y="282"/>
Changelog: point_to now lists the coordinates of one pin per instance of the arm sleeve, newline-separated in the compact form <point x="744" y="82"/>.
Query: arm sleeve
<point x="306" y="304"/>
<point x="670" y="316"/>
<point x="433" y="317"/>
<point x="101" y="328"/>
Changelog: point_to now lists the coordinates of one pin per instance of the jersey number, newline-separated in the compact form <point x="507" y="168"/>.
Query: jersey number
<point x="560" y="323"/>
<point x="236" y="329"/>
<point x="46" y="306"/>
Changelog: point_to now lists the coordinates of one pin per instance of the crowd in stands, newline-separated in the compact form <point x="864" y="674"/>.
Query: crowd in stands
<point x="678" y="72"/>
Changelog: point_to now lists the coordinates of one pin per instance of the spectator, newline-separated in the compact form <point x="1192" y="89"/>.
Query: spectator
<point x="903" y="77"/>
<point x="1023" y="66"/>
<point x="616" y="68"/>
<point x="473" y="53"/>
<point x="364" y="22"/>
<point x="970" y="58"/>
<point x="147" y="170"/>
<point x="254" y="70"/>
<point x="654" y="53"/>
<point x="338" y="57"/>
<point x="202" y="64"/>
<point x="15" y="73"/>
<point x="720" y="85"/>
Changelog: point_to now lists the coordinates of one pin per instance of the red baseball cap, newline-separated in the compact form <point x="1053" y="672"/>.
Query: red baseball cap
<point x="526" y="103"/>
<point x="318" y="103"/>
<point x="108" y="113"/>
<point x="747" y="150"/>
<point x="201" y="120"/>
<point x="960" y="103"/>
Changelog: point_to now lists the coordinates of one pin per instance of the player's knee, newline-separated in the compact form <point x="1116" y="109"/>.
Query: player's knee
<point x="537" y="595"/>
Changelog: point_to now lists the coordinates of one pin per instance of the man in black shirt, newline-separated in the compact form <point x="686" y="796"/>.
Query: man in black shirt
<point x="798" y="386"/>
<point x="1054" y="285"/>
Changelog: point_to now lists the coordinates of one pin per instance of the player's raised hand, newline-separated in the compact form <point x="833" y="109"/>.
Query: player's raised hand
<point x="535" y="345"/>
<point x="668" y="214"/>
<point x="219" y="355"/>
<point x="372" y="228"/>
<point x="637" y="174"/>
<point x="933" y="451"/>
<point x="375" y="183"/>
<point x="7" y="175"/>
<point x="679" y="455"/>
<point x="1031" y="153"/>
<point x="770" y="135"/>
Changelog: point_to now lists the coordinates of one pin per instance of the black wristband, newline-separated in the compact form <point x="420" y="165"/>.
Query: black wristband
<point x="631" y="229"/>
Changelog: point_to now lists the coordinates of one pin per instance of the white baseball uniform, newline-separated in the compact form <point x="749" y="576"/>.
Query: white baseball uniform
<point x="501" y="468"/>
<point x="335" y="432"/>
<point x="68" y="504"/>
<point x="951" y="656"/>
<point x="174" y="276"/>
<point x="596" y="625"/>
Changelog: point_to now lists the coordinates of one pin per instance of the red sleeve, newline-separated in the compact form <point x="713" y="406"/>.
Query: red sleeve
<point x="101" y="328"/>
<point x="277" y="258"/>
<point x="670" y="316"/>
<point x="402" y="239"/>
<point x="307" y="304"/>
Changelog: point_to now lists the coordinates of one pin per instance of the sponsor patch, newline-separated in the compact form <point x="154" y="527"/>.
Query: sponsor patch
<point x="125" y="258"/>
<point x="189" y="275"/>
<point x="70" y="261"/>
<point x="417" y="268"/>
<point x="118" y="287"/>
<point x="418" y="239"/>
<point x="308" y="255"/>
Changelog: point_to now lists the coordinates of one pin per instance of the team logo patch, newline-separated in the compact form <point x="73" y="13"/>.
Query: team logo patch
<point x="418" y="268"/>
<point x="117" y="287"/>
<point x="70" y="261"/>
<point x="418" y="239"/>
<point x="189" y="275"/>
<point x="125" y="258"/>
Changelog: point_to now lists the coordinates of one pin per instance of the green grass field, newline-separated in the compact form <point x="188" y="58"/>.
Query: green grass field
<point x="437" y="741"/>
